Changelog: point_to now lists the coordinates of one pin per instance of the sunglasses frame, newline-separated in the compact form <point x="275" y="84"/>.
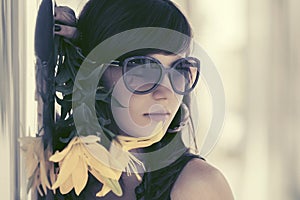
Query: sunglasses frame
<point x="164" y="71"/>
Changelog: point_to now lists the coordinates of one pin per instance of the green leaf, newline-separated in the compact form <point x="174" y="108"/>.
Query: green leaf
<point x="63" y="75"/>
<point x="101" y="96"/>
<point x="111" y="134"/>
<point x="104" y="121"/>
<point x="68" y="139"/>
<point x="116" y="103"/>
<point x="65" y="89"/>
<point x="114" y="185"/>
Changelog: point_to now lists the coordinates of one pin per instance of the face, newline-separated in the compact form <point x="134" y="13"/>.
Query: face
<point x="139" y="114"/>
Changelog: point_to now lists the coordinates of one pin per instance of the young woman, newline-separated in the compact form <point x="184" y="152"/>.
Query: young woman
<point x="142" y="104"/>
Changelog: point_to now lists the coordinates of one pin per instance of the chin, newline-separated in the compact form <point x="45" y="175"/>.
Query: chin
<point x="145" y="130"/>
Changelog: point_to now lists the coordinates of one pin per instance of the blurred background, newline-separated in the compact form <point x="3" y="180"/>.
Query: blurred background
<point x="256" y="48"/>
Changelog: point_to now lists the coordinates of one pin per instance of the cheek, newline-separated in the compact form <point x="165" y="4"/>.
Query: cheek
<point x="175" y="104"/>
<point x="128" y="112"/>
<point x="137" y="107"/>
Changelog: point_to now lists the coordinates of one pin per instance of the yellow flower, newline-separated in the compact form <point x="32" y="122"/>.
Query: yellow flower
<point x="86" y="154"/>
<point x="36" y="164"/>
<point x="76" y="160"/>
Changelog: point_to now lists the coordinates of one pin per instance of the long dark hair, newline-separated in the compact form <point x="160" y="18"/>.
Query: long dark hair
<point x="101" y="19"/>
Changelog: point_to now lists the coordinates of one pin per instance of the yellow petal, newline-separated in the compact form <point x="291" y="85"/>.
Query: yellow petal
<point x="38" y="146"/>
<point x="27" y="142"/>
<point x="43" y="175"/>
<point x="52" y="175"/>
<point x="67" y="186"/>
<point x="96" y="174"/>
<point x="31" y="165"/>
<point x="90" y="139"/>
<point x="40" y="191"/>
<point x="36" y="183"/>
<point x="104" y="190"/>
<point x="52" y="180"/>
<point x="99" y="152"/>
<point x="67" y="166"/>
<point x="80" y="176"/>
<point x="133" y="143"/>
<point x="120" y="156"/>
<point x="108" y="184"/>
<point x="27" y="145"/>
<point x="114" y="185"/>
<point x="98" y="165"/>
<point x="50" y="165"/>
<point x="58" y="156"/>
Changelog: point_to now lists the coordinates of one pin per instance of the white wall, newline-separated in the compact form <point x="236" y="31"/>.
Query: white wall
<point x="256" y="47"/>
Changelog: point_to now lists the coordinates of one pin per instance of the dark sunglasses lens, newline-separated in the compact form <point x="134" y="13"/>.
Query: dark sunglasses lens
<point x="141" y="74"/>
<point x="184" y="74"/>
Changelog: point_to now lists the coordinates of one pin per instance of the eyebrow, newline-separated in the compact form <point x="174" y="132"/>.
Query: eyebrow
<point x="116" y="63"/>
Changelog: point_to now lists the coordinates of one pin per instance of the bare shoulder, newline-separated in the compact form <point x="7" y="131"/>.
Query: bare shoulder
<point x="199" y="180"/>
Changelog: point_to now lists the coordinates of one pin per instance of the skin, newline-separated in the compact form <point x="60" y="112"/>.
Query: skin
<point x="143" y="112"/>
<point x="201" y="181"/>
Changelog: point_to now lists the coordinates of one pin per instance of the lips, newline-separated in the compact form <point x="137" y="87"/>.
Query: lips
<point x="157" y="116"/>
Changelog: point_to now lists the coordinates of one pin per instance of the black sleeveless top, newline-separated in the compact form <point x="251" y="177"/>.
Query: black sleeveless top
<point x="156" y="185"/>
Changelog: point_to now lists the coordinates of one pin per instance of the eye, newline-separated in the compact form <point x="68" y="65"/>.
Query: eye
<point x="136" y="62"/>
<point x="187" y="68"/>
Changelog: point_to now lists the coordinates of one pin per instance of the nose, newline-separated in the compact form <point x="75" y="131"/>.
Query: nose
<point x="164" y="90"/>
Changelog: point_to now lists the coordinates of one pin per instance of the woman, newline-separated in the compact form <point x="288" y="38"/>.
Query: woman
<point x="142" y="105"/>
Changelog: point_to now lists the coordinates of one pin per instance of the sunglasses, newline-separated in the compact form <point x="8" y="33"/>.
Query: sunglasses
<point x="143" y="74"/>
